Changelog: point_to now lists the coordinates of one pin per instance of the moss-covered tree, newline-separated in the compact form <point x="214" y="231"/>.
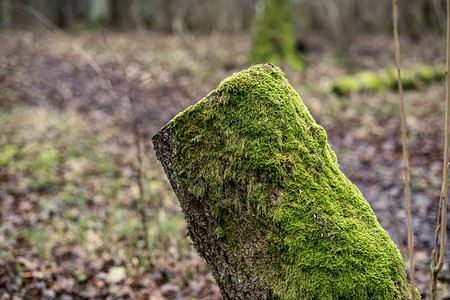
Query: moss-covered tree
<point x="274" y="38"/>
<point x="265" y="202"/>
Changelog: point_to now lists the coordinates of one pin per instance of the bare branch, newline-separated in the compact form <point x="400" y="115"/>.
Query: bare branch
<point x="444" y="201"/>
<point x="106" y="83"/>
<point x="405" y="151"/>
<point x="437" y="262"/>
<point x="397" y="230"/>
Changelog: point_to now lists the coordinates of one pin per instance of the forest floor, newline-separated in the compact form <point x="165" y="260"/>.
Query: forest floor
<point x="70" y="209"/>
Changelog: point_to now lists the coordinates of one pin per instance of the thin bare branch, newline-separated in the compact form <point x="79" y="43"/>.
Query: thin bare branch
<point x="444" y="201"/>
<point x="137" y="138"/>
<point x="405" y="151"/>
<point x="105" y="82"/>
<point x="397" y="230"/>
<point x="437" y="262"/>
<point x="140" y="171"/>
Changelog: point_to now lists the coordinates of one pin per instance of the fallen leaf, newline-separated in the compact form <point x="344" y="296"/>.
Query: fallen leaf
<point x="26" y="275"/>
<point x="169" y="290"/>
<point x="116" y="274"/>
<point x="30" y="265"/>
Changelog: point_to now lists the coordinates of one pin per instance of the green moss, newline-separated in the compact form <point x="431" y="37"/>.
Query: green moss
<point x="363" y="81"/>
<point x="440" y="72"/>
<point x="274" y="39"/>
<point x="252" y="151"/>
<point x="390" y="78"/>
<point x="426" y="73"/>
<point x="370" y="81"/>
<point x="345" y="85"/>
<point x="429" y="73"/>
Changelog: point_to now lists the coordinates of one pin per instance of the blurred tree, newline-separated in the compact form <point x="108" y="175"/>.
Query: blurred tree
<point x="146" y="12"/>
<point x="416" y="17"/>
<point x="247" y="14"/>
<point x="435" y="10"/>
<point x="205" y="15"/>
<point x="274" y="39"/>
<point x="60" y="12"/>
<point x="98" y="11"/>
<point x="20" y="15"/>
<point x="341" y="20"/>
<point x="63" y="13"/>
<point x="344" y="20"/>
<point x="120" y="13"/>
<point x="6" y="13"/>
<point x="165" y="11"/>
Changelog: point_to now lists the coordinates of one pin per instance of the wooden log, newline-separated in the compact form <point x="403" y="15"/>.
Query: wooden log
<point x="265" y="202"/>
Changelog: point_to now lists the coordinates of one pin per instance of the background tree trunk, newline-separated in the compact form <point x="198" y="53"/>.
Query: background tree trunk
<point x="274" y="38"/>
<point x="120" y="13"/>
<point x="247" y="14"/>
<point x="6" y="9"/>
<point x="60" y="12"/>
<point x="147" y="12"/>
<point x="98" y="11"/>
<point x="164" y="15"/>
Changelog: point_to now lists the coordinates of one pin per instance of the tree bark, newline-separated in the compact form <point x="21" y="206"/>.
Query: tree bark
<point x="265" y="202"/>
<point x="234" y="282"/>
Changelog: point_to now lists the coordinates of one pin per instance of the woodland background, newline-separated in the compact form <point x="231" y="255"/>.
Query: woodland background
<point x="86" y="211"/>
<point x="340" y="19"/>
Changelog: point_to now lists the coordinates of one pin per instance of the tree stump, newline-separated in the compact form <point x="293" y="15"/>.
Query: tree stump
<point x="265" y="202"/>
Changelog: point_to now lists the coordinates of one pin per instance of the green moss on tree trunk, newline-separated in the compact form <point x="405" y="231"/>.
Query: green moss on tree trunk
<point x="274" y="39"/>
<point x="265" y="201"/>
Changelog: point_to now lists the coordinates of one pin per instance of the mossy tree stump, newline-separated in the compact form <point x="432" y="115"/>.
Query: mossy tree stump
<point x="265" y="202"/>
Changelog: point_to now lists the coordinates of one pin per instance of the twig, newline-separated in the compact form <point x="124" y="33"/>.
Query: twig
<point x="140" y="172"/>
<point x="405" y="151"/>
<point x="137" y="138"/>
<point x="446" y="146"/>
<point x="106" y="83"/>
<point x="397" y="229"/>
<point x="441" y="224"/>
